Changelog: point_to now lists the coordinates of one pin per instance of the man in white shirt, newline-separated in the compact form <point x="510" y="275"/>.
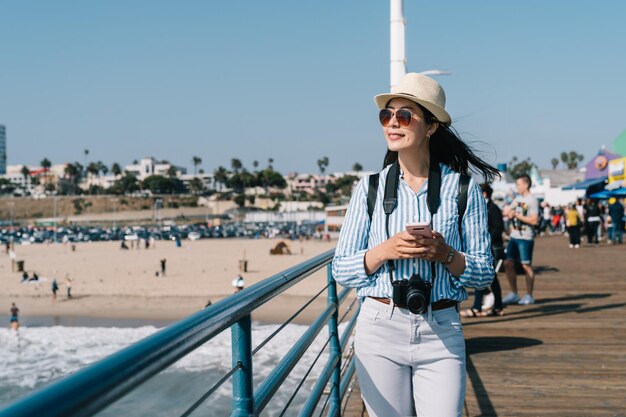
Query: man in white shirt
<point x="524" y="215"/>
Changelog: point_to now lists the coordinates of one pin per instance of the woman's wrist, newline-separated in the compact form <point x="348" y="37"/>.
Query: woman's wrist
<point x="378" y="254"/>
<point x="444" y="255"/>
<point x="374" y="258"/>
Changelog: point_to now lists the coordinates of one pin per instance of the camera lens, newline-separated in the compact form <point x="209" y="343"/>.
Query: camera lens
<point x="418" y="295"/>
<point x="416" y="301"/>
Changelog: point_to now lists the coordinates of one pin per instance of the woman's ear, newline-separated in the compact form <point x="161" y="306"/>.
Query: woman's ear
<point x="433" y="128"/>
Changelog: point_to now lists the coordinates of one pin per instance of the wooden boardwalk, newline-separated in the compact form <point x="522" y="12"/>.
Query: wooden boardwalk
<point x="564" y="355"/>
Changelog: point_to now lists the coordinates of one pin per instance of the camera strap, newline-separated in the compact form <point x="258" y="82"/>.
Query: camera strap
<point x="433" y="201"/>
<point x="432" y="198"/>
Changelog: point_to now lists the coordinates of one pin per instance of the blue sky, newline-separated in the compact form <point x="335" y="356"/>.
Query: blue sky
<point x="294" y="80"/>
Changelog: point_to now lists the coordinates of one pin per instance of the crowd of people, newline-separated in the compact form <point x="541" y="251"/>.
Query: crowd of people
<point x="524" y="219"/>
<point x="594" y="220"/>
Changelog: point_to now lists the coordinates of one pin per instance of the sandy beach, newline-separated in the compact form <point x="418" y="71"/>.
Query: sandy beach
<point x="122" y="284"/>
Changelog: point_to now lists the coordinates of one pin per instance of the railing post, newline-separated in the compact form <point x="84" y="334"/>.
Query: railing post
<point x="334" y="403"/>
<point x="243" y="398"/>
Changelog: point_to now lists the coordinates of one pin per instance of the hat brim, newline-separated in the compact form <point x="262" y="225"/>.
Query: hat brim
<point x="381" y="101"/>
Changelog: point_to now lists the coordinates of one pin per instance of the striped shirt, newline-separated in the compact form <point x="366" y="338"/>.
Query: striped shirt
<point x="358" y="236"/>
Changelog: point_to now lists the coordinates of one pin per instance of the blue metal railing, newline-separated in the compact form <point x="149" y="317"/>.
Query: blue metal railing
<point x="95" y="387"/>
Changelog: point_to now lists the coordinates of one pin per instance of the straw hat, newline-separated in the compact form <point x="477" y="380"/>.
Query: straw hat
<point x="421" y="89"/>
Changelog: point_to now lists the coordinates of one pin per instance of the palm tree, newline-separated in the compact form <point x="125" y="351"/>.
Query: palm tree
<point x="86" y="152"/>
<point x="171" y="171"/>
<point x="26" y="173"/>
<point x="255" y="164"/>
<point x="196" y="186"/>
<point x="236" y="165"/>
<point x="46" y="164"/>
<point x="221" y="175"/>
<point x="72" y="171"/>
<point x="196" y="161"/>
<point x="116" y="169"/>
<point x="357" y="167"/>
<point x="270" y="161"/>
<point x="93" y="169"/>
<point x="103" y="168"/>
<point x="554" y="162"/>
<point x="322" y="164"/>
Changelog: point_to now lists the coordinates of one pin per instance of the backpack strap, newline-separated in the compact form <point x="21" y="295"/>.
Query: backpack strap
<point x="389" y="204"/>
<point x="391" y="188"/>
<point x="433" y="195"/>
<point x="433" y="199"/>
<point x="462" y="199"/>
<point x="372" y="192"/>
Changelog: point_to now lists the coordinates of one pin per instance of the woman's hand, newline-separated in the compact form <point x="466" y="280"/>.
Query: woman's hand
<point x="400" y="246"/>
<point x="403" y="245"/>
<point x="435" y="249"/>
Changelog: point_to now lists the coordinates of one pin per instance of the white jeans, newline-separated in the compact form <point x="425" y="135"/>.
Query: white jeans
<point x="408" y="365"/>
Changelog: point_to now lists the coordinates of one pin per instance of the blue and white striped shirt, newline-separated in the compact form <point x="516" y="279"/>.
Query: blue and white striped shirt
<point x="358" y="236"/>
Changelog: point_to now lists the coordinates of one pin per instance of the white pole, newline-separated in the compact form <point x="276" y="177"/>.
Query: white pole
<point x="398" y="61"/>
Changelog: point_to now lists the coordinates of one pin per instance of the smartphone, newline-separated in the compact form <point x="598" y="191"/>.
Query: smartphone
<point x="420" y="229"/>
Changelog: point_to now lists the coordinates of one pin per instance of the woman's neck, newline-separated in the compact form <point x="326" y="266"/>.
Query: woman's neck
<point x="414" y="164"/>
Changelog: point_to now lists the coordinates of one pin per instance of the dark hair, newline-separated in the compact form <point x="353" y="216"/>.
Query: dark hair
<point x="447" y="147"/>
<point x="486" y="188"/>
<point x="526" y="179"/>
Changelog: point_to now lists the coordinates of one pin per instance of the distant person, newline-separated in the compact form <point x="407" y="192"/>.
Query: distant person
<point x="55" y="288"/>
<point x="208" y="303"/>
<point x="616" y="212"/>
<point x="123" y="245"/>
<point x="593" y="222"/>
<point x="15" y="323"/>
<point x="147" y="243"/>
<point x="524" y="215"/>
<point x="7" y="247"/>
<point x="35" y="277"/>
<point x="163" y="262"/>
<point x="495" y="225"/>
<point x="573" y="223"/>
<point x="238" y="283"/>
<point x="68" y="284"/>
<point x="25" y="277"/>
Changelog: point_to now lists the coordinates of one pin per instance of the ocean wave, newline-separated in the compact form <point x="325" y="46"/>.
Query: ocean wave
<point x="37" y="356"/>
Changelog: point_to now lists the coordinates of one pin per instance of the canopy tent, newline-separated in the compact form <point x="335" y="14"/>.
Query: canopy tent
<point x="606" y="194"/>
<point x="601" y="195"/>
<point x="619" y="193"/>
<point x="584" y="185"/>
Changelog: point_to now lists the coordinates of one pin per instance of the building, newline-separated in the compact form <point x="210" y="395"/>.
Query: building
<point x="309" y="183"/>
<point x="547" y="186"/>
<point x="306" y="183"/>
<point x="37" y="179"/>
<point x="150" y="166"/>
<point x="208" y="181"/>
<point x="3" y="150"/>
<point x="335" y="216"/>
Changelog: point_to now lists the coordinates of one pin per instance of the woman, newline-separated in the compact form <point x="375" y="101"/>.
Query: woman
<point x="572" y="221"/>
<point x="415" y="363"/>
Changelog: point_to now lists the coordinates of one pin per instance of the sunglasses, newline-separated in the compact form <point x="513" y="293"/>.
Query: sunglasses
<point x="403" y="116"/>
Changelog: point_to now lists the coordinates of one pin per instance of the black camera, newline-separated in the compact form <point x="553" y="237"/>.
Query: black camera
<point x="414" y="293"/>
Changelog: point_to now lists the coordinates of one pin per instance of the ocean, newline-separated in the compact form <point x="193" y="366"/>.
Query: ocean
<point x="39" y="355"/>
